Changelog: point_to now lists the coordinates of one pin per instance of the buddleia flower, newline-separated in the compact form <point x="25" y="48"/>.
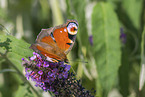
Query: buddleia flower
<point x="54" y="77"/>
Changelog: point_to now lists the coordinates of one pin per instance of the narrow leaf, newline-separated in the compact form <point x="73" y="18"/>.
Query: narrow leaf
<point x="106" y="49"/>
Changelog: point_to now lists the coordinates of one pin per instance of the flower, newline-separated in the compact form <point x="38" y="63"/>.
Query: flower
<point x="91" y="40"/>
<point x="54" y="77"/>
<point x="122" y="36"/>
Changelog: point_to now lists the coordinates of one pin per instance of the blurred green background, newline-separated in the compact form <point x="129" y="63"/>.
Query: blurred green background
<point x="108" y="54"/>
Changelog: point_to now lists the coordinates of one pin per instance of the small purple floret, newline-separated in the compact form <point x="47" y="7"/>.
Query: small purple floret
<point x="122" y="36"/>
<point x="46" y="64"/>
<point x="65" y="74"/>
<point x="40" y="72"/>
<point x="67" y="67"/>
<point x="91" y="40"/>
<point x="23" y="59"/>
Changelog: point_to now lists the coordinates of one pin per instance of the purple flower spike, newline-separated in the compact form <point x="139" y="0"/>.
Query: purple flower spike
<point x="54" y="77"/>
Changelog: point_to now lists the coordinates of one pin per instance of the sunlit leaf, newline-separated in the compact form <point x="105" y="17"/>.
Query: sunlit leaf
<point x="17" y="49"/>
<point x="106" y="49"/>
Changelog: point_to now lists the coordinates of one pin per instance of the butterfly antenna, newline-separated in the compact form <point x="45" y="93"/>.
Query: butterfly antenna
<point x="79" y="61"/>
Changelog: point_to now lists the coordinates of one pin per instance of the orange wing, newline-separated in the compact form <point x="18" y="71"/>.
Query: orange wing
<point x="65" y="35"/>
<point x="47" y="47"/>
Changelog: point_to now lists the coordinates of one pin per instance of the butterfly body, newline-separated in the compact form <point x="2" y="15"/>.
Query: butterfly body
<point x="56" y="42"/>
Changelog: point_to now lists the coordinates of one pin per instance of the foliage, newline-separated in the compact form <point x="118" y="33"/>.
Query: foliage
<point x="108" y="54"/>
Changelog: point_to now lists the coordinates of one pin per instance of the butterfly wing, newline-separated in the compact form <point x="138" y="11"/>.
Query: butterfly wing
<point x="65" y="35"/>
<point x="47" y="47"/>
<point x="54" y="43"/>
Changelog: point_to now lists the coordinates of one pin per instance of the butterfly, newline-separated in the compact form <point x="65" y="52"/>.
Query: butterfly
<point x="55" y="43"/>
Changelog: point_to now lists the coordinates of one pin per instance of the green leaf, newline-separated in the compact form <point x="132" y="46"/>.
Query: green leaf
<point x="142" y="71"/>
<point x="106" y="49"/>
<point x="17" y="49"/>
<point x="114" y="3"/>
<point x="133" y="9"/>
